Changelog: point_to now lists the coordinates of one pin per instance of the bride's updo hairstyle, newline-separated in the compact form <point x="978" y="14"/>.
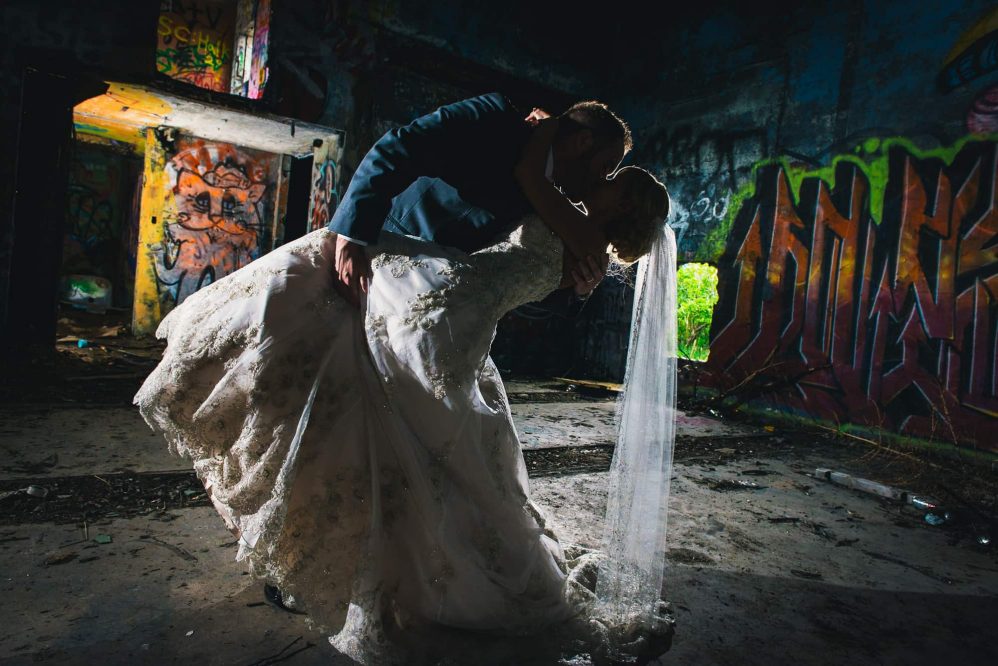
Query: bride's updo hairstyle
<point x="631" y="234"/>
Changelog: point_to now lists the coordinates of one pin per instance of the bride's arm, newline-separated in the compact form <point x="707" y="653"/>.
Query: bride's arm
<point x="581" y="237"/>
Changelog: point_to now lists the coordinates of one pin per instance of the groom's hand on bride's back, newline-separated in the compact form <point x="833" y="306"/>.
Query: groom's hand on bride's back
<point x="352" y="270"/>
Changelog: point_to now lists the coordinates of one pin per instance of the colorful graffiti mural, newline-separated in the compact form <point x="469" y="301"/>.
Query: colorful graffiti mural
<point x="221" y="211"/>
<point x="868" y="290"/>
<point x="195" y="40"/>
<point x="259" y="70"/>
<point x="208" y="209"/>
<point x="325" y="179"/>
<point x="324" y="195"/>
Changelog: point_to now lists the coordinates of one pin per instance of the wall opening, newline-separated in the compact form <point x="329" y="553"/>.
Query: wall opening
<point x="168" y="195"/>
<point x="696" y="295"/>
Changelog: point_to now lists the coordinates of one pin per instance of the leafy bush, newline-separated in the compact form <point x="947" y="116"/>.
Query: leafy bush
<point x="696" y="296"/>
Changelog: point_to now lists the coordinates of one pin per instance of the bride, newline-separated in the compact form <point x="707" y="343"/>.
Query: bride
<point x="400" y="507"/>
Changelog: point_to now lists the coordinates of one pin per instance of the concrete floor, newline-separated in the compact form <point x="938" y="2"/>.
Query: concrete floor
<point x="792" y="570"/>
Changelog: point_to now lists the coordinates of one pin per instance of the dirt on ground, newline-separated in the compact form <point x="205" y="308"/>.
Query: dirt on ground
<point x="112" y="553"/>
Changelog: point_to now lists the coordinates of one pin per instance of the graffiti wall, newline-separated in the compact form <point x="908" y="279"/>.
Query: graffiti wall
<point x="325" y="178"/>
<point x="195" y="41"/>
<point x="208" y="209"/>
<point x="866" y="292"/>
<point x="259" y="62"/>
<point x="842" y="179"/>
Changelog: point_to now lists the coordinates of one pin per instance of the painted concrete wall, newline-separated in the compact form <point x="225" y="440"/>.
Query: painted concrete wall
<point x="842" y="178"/>
<point x="833" y="159"/>
<point x="195" y="42"/>
<point x="326" y="159"/>
<point x="208" y="209"/>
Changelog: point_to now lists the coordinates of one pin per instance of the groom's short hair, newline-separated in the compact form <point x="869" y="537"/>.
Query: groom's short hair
<point x="598" y="119"/>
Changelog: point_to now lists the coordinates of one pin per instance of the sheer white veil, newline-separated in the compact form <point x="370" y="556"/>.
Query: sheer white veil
<point x="629" y="583"/>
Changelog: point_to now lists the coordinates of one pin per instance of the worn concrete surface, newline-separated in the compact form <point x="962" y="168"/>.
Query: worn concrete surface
<point x="790" y="571"/>
<point x="57" y="439"/>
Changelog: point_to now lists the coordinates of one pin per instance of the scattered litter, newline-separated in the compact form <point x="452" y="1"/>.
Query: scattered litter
<point x="923" y="503"/>
<point x="81" y="343"/>
<point x="86" y="292"/>
<point x="726" y="451"/>
<point x="724" y="485"/>
<point x="77" y="499"/>
<point x="936" y="518"/>
<point x="811" y="575"/>
<point x="102" y="538"/>
<point x="190" y="633"/>
<point x="856" y="483"/>
<point x="40" y="492"/>
<point x="769" y="428"/>
<point x="60" y="558"/>
<point x="110" y="331"/>
<point x="984" y="540"/>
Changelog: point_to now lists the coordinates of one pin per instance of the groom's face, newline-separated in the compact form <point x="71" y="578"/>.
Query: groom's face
<point x="603" y="161"/>
<point x="581" y="163"/>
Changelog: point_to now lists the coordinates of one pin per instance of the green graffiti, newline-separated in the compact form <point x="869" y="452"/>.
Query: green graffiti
<point x="871" y="157"/>
<point x="85" y="128"/>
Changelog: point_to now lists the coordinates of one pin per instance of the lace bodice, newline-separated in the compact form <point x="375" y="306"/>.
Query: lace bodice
<point x="523" y="267"/>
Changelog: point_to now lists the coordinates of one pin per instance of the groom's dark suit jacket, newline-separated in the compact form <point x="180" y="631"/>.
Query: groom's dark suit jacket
<point x="446" y="177"/>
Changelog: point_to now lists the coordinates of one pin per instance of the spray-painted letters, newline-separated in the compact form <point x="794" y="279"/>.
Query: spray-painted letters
<point x="892" y="324"/>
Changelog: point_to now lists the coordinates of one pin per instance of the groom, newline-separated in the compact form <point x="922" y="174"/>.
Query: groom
<point x="448" y="177"/>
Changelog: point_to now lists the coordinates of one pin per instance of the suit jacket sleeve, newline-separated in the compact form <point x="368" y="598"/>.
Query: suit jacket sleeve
<point x="434" y="145"/>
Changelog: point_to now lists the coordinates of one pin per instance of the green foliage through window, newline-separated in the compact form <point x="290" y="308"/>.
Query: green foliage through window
<point x="696" y="295"/>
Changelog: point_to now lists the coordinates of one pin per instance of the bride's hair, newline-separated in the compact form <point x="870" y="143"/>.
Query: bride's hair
<point x="631" y="234"/>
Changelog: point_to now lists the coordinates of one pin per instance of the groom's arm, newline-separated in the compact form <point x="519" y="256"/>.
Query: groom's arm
<point x="433" y="145"/>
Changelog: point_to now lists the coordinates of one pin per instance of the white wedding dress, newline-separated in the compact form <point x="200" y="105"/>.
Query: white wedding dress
<point x="367" y="460"/>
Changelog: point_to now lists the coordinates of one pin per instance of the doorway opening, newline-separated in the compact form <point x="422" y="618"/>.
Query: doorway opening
<point x="167" y="195"/>
<point x="696" y="297"/>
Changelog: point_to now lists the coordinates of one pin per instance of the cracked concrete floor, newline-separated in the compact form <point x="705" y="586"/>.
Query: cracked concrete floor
<point x="790" y="570"/>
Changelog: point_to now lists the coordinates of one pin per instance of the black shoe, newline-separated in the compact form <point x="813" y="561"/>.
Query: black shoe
<point x="275" y="598"/>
